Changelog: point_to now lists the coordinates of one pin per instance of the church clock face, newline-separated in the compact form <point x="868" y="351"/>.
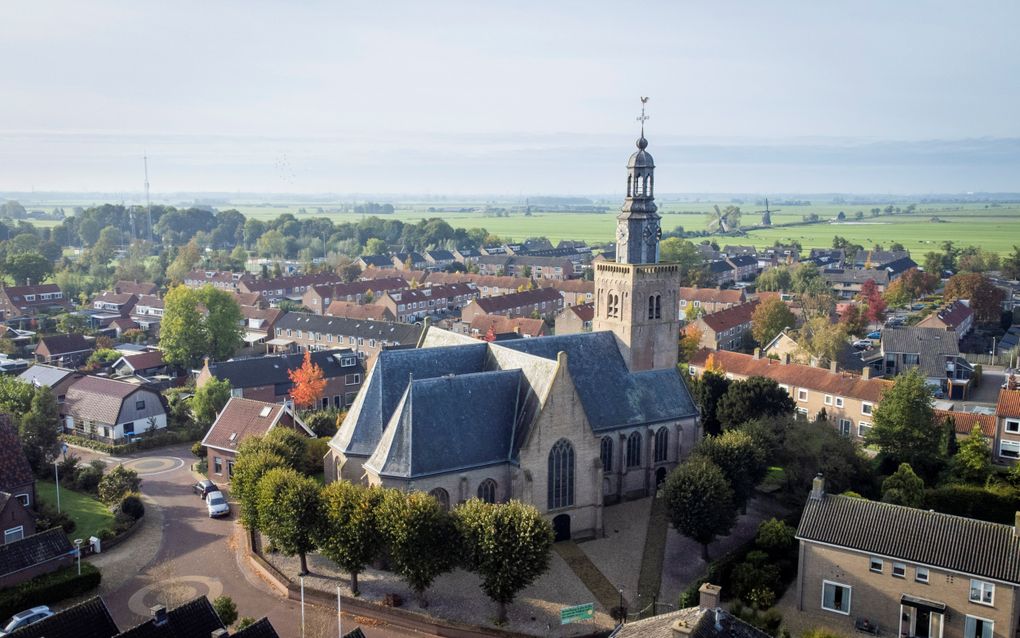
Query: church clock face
<point x="621" y="234"/>
<point x="651" y="233"/>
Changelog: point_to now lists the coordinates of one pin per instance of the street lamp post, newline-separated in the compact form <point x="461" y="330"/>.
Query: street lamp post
<point x="56" y="477"/>
<point x="77" y="547"/>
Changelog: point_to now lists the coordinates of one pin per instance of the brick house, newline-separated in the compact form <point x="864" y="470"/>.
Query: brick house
<point x="148" y="313"/>
<point x="318" y="298"/>
<point x="956" y="316"/>
<point x="266" y="379"/>
<point x="217" y="279"/>
<point x="409" y="261"/>
<point x="258" y="323"/>
<point x="69" y="350"/>
<point x="16" y="476"/>
<point x="294" y="286"/>
<point x="240" y="419"/>
<point x="545" y="301"/>
<point x="899" y="571"/>
<point x="352" y="310"/>
<point x="137" y="288"/>
<point x="496" y="327"/>
<point x="847" y="283"/>
<point x="33" y="556"/>
<point x="111" y="411"/>
<point x="710" y="299"/>
<point x="16" y="522"/>
<point x="727" y="329"/>
<point x="933" y="351"/>
<point x="487" y="285"/>
<point x="1006" y="446"/>
<point x="28" y="301"/>
<point x="300" y="331"/>
<point x="414" y="304"/>
<point x="848" y="400"/>
<point x="438" y="259"/>
<point x="574" y="291"/>
<point x="574" y="319"/>
<point x="119" y="303"/>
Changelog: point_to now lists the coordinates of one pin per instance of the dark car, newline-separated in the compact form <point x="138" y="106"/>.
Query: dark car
<point x="203" y="487"/>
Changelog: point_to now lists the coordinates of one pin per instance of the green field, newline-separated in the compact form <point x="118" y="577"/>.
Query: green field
<point x="90" y="515"/>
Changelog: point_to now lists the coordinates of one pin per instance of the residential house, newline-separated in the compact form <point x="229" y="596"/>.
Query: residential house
<point x="727" y="329"/>
<point x="143" y="364"/>
<point x="253" y="299"/>
<point x="16" y="522"/>
<point x="497" y="327"/>
<point x="827" y="257"/>
<point x="710" y="299"/>
<point x="58" y="379"/>
<point x="414" y="304"/>
<point x="111" y="411"/>
<point x="16" y="476"/>
<point x="1006" y="446"/>
<point x="546" y="302"/>
<point x="848" y="400"/>
<point x="487" y="285"/>
<point x="28" y="301"/>
<point x="848" y="283"/>
<point x="574" y="291"/>
<point x="223" y="280"/>
<point x="352" y="310"/>
<point x="410" y="277"/>
<point x="708" y="620"/>
<point x="526" y="266"/>
<point x="935" y="352"/>
<point x="498" y="265"/>
<point x="299" y="331"/>
<point x="439" y="259"/>
<point x="383" y="262"/>
<point x="466" y="255"/>
<point x="778" y="255"/>
<point x="258" y="323"/>
<point x="148" y="313"/>
<point x="318" y="298"/>
<point x="745" y="267"/>
<point x="409" y="261"/>
<point x="878" y="259"/>
<point x="739" y="251"/>
<point x="87" y="619"/>
<point x="119" y="303"/>
<point x="964" y="423"/>
<point x="287" y="287"/>
<point x="956" y="316"/>
<point x="892" y="570"/>
<point x="720" y="272"/>
<point x="66" y="350"/>
<point x="574" y="319"/>
<point x="33" y="556"/>
<point x="239" y="420"/>
<point x="267" y="379"/>
<point x="137" y="288"/>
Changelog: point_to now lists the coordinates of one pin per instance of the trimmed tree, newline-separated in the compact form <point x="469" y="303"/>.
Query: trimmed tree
<point x="741" y="460"/>
<point x="117" y="483"/>
<point x="251" y="465"/>
<point x="209" y="400"/>
<point x="769" y="319"/>
<point x="707" y="391"/>
<point x="903" y="487"/>
<point x="349" y="535"/>
<point x="420" y="536"/>
<point x="700" y="501"/>
<point x="506" y="544"/>
<point x="753" y="398"/>
<point x="290" y="512"/>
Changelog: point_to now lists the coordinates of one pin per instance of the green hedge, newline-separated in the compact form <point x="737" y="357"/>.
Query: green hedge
<point x="996" y="505"/>
<point x="147" y="442"/>
<point x="49" y="589"/>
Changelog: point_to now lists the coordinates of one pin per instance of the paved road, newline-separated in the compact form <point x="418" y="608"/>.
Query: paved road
<point x="196" y="556"/>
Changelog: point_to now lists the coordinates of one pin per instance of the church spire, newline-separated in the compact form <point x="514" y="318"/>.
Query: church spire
<point x="638" y="230"/>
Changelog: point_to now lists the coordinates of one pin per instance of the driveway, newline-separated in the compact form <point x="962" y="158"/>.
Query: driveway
<point x="192" y="554"/>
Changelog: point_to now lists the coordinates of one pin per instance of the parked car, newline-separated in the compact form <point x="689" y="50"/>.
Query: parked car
<point x="203" y="487"/>
<point x="217" y="504"/>
<point x="862" y="344"/>
<point x="875" y="335"/>
<point x="26" y="618"/>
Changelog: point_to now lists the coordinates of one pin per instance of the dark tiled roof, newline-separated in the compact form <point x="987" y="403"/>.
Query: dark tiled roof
<point x="718" y="266"/>
<point x="87" y="619"/>
<point x="241" y="419"/>
<point x="440" y="255"/>
<point x="116" y="298"/>
<point x="848" y="276"/>
<point x="98" y="398"/>
<point x="293" y="281"/>
<point x="41" y="374"/>
<point x="64" y="344"/>
<point x="388" y="331"/>
<point x="932" y="345"/>
<point x="195" y="619"/>
<point x="899" y="265"/>
<point x="355" y="288"/>
<point x="468" y="419"/>
<point x="261" y="628"/>
<point x="38" y="548"/>
<point x="145" y="360"/>
<point x="950" y="542"/>
<point x="742" y="261"/>
<point x="503" y="303"/>
<point x="377" y="261"/>
<point x="440" y="291"/>
<point x="879" y="258"/>
<point x="135" y="287"/>
<point x="14" y="468"/>
<point x="272" y="369"/>
<point x="355" y="633"/>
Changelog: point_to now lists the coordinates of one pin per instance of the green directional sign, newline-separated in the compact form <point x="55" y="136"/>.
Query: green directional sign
<point x="577" y="613"/>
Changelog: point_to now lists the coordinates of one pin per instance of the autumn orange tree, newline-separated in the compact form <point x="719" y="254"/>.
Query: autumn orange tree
<point x="308" y="383"/>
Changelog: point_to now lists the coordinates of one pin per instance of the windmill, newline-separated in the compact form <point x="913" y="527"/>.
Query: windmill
<point x="766" y="215"/>
<point x="725" y="220"/>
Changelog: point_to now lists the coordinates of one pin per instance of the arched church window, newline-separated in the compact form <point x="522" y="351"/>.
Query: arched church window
<point x="561" y="474"/>
<point x="634" y="449"/>
<point x="606" y="453"/>
<point x="651" y="307"/>
<point x="658" y="306"/>
<point x="487" y="491"/>
<point x="661" y="444"/>
<point x="442" y="496"/>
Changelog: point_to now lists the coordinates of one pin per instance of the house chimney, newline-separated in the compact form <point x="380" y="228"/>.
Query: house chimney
<point x="681" y="629"/>
<point x="158" y="615"/>
<point x="866" y="373"/>
<point x="833" y="366"/>
<point x="785" y="358"/>
<point x="757" y="353"/>
<point x="708" y="596"/>
<point x="1016" y="524"/>
<point x="818" y="487"/>
<point x="219" y="633"/>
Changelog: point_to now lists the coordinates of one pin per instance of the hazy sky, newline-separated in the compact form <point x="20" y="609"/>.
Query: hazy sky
<point x="509" y="97"/>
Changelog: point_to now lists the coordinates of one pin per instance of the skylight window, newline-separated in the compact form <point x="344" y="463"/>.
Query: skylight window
<point x="265" y="411"/>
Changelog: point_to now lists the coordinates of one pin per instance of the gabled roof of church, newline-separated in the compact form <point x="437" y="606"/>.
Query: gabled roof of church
<point x="450" y="423"/>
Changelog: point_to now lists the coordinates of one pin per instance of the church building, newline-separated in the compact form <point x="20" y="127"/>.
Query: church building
<point x="566" y="423"/>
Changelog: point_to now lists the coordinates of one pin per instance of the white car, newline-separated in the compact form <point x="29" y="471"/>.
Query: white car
<point x="217" y="504"/>
<point x="26" y="618"/>
<point x="862" y="344"/>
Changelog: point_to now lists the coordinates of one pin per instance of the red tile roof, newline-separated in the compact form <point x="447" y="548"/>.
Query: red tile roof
<point x="712" y="295"/>
<point x="504" y="325"/>
<point x="145" y="360"/>
<point x="503" y="303"/>
<point x="730" y="317"/>
<point x="135" y="287"/>
<point x="965" y="421"/>
<point x="952" y="316"/>
<point x="1009" y="403"/>
<point x="351" y="310"/>
<point x="794" y="374"/>
<point x="584" y="311"/>
<point x="575" y="286"/>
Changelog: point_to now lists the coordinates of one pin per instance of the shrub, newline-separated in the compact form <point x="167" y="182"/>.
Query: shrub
<point x="996" y="505"/>
<point x="46" y="517"/>
<point x="244" y="622"/>
<point x="314" y="451"/>
<point x="122" y="522"/>
<point x="68" y="469"/>
<point x="323" y="422"/>
<point x="199" y="450"/>
<point x="49" y="588"/>
<point x="87" y="478"/>
<point x="132" y="506"/>
<point x="117" y="483"/>
<point x="225" y="609"/>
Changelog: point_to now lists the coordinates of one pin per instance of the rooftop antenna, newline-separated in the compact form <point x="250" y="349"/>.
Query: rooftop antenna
<point x="148" y="205"/>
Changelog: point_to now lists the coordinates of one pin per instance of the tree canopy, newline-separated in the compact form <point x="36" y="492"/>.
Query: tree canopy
<point x="752" y="398"/>
<point x="700" y="501"/>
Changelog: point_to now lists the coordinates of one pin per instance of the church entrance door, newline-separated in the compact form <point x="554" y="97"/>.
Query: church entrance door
<point x="660" y="477"/>
<point x="561" y="527"/>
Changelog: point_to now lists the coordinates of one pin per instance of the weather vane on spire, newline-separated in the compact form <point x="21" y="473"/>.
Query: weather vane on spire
<point x="643" y="118"/>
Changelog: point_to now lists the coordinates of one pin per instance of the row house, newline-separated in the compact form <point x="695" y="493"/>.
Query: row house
<point x="727" y="329"/>
<point x="1006" y="445"/>
<point x="415" y="304"/>
<point x="778" y="255"/>
<point x="352" y="310"/>
<point x="486" y="285"/>
<point x="148" y="312"/>
<point x="294" y="286"/>
<point x="411" y="277"/>
<point x="574" y="319"/>
<point x="710" y="300"/>
<point x="135" y="287"/>
<point x="739" y="251"/>
<point x="439" y="259"/>
<point x="300" y="331"/>
<point x="318" y="298"/>
<point x="546" y="302"/>
<point x="847" y="283"/>
<point x="956" y="317"/>
<point x="267" y="378"/>
<point x="223" y="280"/>
<point x="891" y="570"/>
<point x="258" y="324"/>
<point x="379" y="262"/>
<point x="527" y="266"/>
<point x="848" y="400"/>
<point x="720" y="272"/>
<point x="28" y="301"/>
<point x="878" y="259"/>
<point x="409" y="261"/>
<point x="574" y="291"/>
<point x="827" y="257"/>
<point x="745" y="267"/>
<point x="499" y="328"/>
<point x="466" y="255"/>
<point x="118" y="303"/>
<point x="934" y="352"/>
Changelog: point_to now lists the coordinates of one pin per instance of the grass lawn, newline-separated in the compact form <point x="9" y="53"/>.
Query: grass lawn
<point x="89" y="514"/>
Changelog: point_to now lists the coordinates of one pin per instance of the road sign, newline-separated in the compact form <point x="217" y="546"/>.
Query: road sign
<point x="577" y="613"/>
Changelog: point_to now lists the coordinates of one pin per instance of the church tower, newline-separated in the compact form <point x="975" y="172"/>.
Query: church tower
<point x="636" y="297"/>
